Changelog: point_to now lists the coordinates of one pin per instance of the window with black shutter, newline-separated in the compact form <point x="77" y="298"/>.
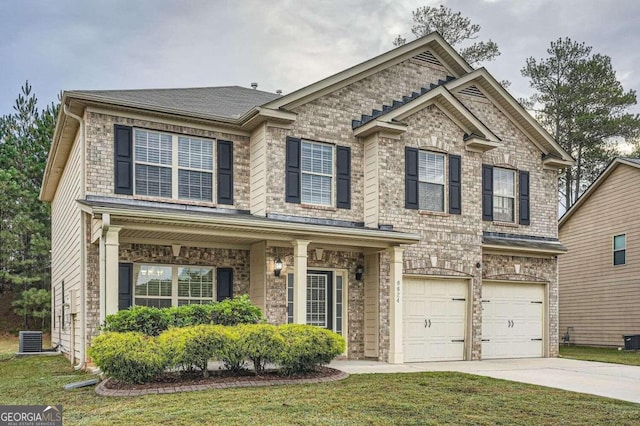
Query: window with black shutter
<point x="455" y="184"/>
<point x="123" y="161"/>
<point x="523" y="198"/>
<point x="487" y="192"/>
<point x="225" y="172"/>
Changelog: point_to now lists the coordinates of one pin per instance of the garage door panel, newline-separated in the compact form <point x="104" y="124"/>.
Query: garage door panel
<point x="434" y="320"/>
<point x="512" y="320"/>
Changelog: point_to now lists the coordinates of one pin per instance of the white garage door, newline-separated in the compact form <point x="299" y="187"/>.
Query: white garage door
<point x="512" y="320"/>
<point x="434" y="319"/>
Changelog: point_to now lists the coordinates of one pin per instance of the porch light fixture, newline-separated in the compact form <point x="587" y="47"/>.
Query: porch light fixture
<point x="359" y="272"/>
<point x="277" y="268"/>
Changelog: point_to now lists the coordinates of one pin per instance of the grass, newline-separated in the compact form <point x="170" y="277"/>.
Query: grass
<point x="612" y="355"/>
<point x="415" y="398"/>
<point x="8" y="346"/>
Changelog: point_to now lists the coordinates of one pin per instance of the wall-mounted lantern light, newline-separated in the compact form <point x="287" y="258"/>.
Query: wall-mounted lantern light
<point x="359" y="272"/>
<point x="277" y="268"/>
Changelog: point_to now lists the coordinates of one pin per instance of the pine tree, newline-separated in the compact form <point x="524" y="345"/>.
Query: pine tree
<point x="580" y="101"/>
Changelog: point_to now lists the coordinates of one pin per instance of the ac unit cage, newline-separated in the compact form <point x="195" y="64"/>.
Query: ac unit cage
<point x="30" y="341"/>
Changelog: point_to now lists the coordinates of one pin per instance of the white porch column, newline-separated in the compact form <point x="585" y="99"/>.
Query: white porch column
<point x="395" y="305"/>
<point x="300" y="281"/>
<point x="111" y="254"/>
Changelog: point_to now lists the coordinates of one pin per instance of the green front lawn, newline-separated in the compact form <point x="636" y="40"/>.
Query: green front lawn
<point x="416" y="398"/>
<point x="613" y="355"/>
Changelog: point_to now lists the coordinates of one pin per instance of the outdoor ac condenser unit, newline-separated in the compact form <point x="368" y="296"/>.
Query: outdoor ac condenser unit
<point x="30" y="341"/>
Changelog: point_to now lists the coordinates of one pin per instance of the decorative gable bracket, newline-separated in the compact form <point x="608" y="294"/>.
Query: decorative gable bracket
<point x="476" y="143"/>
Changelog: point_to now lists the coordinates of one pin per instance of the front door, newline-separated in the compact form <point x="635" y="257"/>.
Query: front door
<point x="320" y="299"/>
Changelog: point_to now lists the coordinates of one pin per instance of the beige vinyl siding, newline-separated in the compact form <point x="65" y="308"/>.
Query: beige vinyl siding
<point x="257" y="274"/>
<point x="258" y="150"/>
<point x="599" y="300"/>
<point x="371" y="185"/>
<point x="371" y="294"/>
<point x="65" y="246"/>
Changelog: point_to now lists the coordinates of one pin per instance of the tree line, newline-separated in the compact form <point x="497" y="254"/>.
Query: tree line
<point x="577" y="98"/>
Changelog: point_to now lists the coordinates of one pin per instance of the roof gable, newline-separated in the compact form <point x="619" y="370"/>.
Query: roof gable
<point x="613" y="165"/>
<point x="428" y="48"/>
<point x="486" y="84"/>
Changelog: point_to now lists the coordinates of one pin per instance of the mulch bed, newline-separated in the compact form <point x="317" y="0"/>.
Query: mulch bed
<point x="222" y="379"/>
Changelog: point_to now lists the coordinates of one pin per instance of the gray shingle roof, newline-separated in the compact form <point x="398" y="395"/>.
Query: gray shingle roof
<point x="632" y="160"/>
<point x="225" y="101"/>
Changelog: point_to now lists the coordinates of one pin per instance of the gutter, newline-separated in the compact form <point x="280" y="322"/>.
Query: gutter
<point x="83" y="266"/>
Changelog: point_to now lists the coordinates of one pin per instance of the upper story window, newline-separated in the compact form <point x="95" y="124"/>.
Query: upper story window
<point x="620" y="249"/>
<point x="500" y="188"/>
<point x="431" y="183"/>
<point x="316" y="173"/>
<point x="503" y="194"/>
<point x="173" y="166"/>
<point x="428" y="176"/>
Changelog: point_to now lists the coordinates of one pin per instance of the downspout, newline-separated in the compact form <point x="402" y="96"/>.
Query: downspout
<point x="83" y="238"/>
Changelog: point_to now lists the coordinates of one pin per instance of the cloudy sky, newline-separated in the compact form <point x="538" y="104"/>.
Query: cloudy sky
<point x="281" y="44"/>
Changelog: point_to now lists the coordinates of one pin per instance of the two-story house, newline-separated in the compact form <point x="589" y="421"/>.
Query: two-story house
<point x="408" y="203"/>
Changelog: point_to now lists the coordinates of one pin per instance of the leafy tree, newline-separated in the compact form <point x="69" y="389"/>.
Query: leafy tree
<point x="34" y="304"/>
<point x="25" y="228"/>
<point x="455" y="29"/>
<point x="580" y="101"/>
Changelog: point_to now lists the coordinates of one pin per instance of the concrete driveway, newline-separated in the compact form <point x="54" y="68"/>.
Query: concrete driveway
<point x="596" y="378"/>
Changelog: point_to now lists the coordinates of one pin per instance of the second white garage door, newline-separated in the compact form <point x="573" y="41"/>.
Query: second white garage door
<point x="512" y="320"/>
<point x="434" y="319"/>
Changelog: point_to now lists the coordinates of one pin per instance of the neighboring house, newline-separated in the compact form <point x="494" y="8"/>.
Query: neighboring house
<point x="410" y="199"/>
<point x="600" y="275"/>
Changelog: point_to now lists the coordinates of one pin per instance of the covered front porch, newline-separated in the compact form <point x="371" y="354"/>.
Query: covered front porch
<point x="332" y="274"/>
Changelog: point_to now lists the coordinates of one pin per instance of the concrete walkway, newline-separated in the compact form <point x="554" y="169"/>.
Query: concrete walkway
<point x="609" y="380"/>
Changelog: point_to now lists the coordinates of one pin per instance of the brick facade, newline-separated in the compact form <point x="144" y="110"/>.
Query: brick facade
<point x="451" y="244"/>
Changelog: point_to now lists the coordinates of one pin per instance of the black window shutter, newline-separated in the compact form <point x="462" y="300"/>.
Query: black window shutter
<point x="225" y="172"/>
<point x="123" y="159"/>
<point x="343" y="168"/>
<point x="487" y="192"/>
<point x="411" y="178"/>
<point x="523" y="196"/>
<point x="292" y="179"/>
<point x="125" y="284"/>
<point x="224" y="284"/>
<point x="455" y="184"/>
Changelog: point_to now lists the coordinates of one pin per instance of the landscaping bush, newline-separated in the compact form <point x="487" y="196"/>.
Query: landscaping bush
<point x="141" y="319"/>
<point x="230" y="354"/>
<point x="130" y="357"/>
<point x="307" y="347"/>
<point x="194" y="346"/>
<point x="238" y="310"/>
<point x="153" y="321"/>
<point x="260" y="343"/>
<point x="187" y="315"/>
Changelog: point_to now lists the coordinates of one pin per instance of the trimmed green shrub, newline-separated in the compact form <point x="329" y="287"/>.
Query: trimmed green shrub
<point x="260" y="343"/>
<point x="238" y="310"/>
<point x="129" y="357"/>
<point x="187" y="315"/>
<point x="141" y="319"/>
<point x="194" y="346"/>
<point x="230" y="354"/>
<point x="153" y="321"/>
<point x="307" y="347"/>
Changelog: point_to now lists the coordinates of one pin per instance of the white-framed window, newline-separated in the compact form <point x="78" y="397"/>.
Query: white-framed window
<point x="317" y="167"/>
<point x="620" y="249"/>
<point x="163" y="286"/>
<point x="173" y="166"/>
<point x="431" y="181"/>
<point x="504" y="195"/>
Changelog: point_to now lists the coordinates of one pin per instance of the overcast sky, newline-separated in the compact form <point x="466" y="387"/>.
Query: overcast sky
<point x="281" y="44"/>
